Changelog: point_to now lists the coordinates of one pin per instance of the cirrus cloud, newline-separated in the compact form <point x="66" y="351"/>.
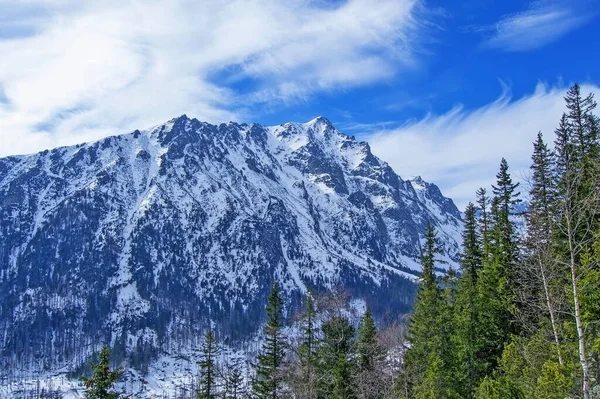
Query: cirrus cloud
<point x="461" y="149"/>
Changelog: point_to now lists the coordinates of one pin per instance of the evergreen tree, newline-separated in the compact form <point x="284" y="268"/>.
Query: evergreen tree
<point x="208" y="367"/>
<point x="428" y="360"/>
<point x="497" y="281"/>
<point x="578" y="216"/>
<point x="342" y="386"/>
<point x="371" y="379"/>
<point x="306" y="375"/>
<point x="563" y="148"/>
<point x="484" y="220"/>
<point x="542" y="193"/>
<point x="367" y="347"/>
<point x="471" y="256"/>
<point x="101" y="384"/>
<point x="466" y="310"/>
<point x="539" y="272"/>
<point x="336" y="359"/>
<point x="584" y="134"/>
<point x="505" y="250"/>
<point x="269" y="369"/>
<point x="234" y="381"/>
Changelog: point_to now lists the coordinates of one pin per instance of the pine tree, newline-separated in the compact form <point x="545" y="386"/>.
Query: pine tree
<point x="505" y="249"/>
<point x="471" y="256"/>
<point x="336" y="359"/>
<point x="306" y="378"/>
<point x="208" y="367"/>
<point x="563" y="148"/>
<point x="584" y="135"/>
<point x="578" y="217"/>
<point x="428" y="360"/>
<point x="540" y="268"/>
<point x="497" y="283"/>
<point x="370" y="372"/>
<point x="542" y="193"/>
<point x="466" y="310"/>
<point x="101" y="384"/>
<point x="484" y="220"/>
<point x="234" y="381"/>
<point x="269" y="369"/>
<point x="342" y="386"/>
<point x="367" y="347"/>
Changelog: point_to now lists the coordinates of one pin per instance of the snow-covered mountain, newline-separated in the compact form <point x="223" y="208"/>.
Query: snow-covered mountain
<point x="144" y="239"/>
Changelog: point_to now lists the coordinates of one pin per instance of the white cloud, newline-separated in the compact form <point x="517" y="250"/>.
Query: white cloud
<point x="77" y="71"/>
<point x="543" y="23"/>
<point x="461" y="150"/>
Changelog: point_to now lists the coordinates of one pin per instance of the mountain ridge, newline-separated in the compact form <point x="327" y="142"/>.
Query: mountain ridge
<point x="144" y="239"/>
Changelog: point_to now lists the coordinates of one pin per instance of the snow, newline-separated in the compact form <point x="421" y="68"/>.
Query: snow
<point x="222" y="187"/>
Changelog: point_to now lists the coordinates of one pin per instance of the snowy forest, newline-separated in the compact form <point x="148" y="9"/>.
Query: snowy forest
<point x="520" y="319"/>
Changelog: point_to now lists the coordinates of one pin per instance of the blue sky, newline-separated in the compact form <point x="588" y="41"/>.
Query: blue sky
<point x="442" y="89"/>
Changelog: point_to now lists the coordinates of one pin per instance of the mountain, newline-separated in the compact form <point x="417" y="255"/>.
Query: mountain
<point x="144" y="239"/>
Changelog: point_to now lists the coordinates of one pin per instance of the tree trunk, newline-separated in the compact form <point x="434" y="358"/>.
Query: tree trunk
<point x="578" y="322"/>
<point x="550" y="310"/>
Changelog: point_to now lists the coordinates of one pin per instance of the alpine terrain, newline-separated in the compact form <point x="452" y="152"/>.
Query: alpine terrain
<point x="143" y="240"/>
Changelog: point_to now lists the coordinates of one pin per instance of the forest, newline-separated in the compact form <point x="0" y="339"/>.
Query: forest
<point x="519" y="319"/>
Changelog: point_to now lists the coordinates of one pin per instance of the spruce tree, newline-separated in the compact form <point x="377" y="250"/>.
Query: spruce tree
<point x="539" y="271"/>
<point x="306" y="378"/>
<point x="497" y="281"/>
<point x="234" y="381"/>
<point x="471" y="256"/>
<point x="583" y="134"/>
<point x="579" y="219"/>
<point x="484" y="220"/>
<point x="563" y="148"/>
<point x="466" y="310"/>
<point x="268" y="381"/>
<point x="101" y="384"/>
<point x="370" y="374"/>
<point x="336" y="361"/>
<point x="542" y="193"/>
<point x="208" y="367"/>
<point x="429" y="368"/>
<point x="505" y="249"/>
<point x="368" y="350"/>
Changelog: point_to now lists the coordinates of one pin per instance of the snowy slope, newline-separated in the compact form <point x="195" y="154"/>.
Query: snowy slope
<point x="144" y="239"/>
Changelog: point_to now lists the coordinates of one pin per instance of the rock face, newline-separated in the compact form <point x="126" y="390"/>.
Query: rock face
<point x="143" y="239"/>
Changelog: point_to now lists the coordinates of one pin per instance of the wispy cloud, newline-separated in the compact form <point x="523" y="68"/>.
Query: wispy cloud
<point x="73" y="71"/>
<point x="461" y="149"/>
<point x="541" y="24"/>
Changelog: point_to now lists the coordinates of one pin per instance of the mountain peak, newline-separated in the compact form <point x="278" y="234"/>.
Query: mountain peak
<point x="418" y="183"/>
<point x="162" y="234"/>
<point x="320" y="120"/>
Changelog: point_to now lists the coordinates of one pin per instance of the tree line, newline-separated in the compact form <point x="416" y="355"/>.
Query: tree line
<point x="522" y="318"/>
<point x="519" y="320"/>
<point x="328" y="355"/>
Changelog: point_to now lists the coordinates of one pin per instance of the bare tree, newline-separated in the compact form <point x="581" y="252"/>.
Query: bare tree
<point x="578" y="210"/>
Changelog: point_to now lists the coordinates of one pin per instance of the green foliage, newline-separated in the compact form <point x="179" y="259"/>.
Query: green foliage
<point x="498" y="388"/>
<point x="335" y="359"/>
<point x="368" y="350"/>
<point x="466" y="311"/>
<point x="342" y="386"/>
<point x="505" y="327"/>
<point x="430" y="364"/>
<point x="555" y="381"/>
<point x="233" y="382"/>
<point x="210" y="351"/>
<point x="304" y="377"/>
<point x="542" y="194"/>
<point x="269" y="372"/>
<point x="101" y="384"/>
